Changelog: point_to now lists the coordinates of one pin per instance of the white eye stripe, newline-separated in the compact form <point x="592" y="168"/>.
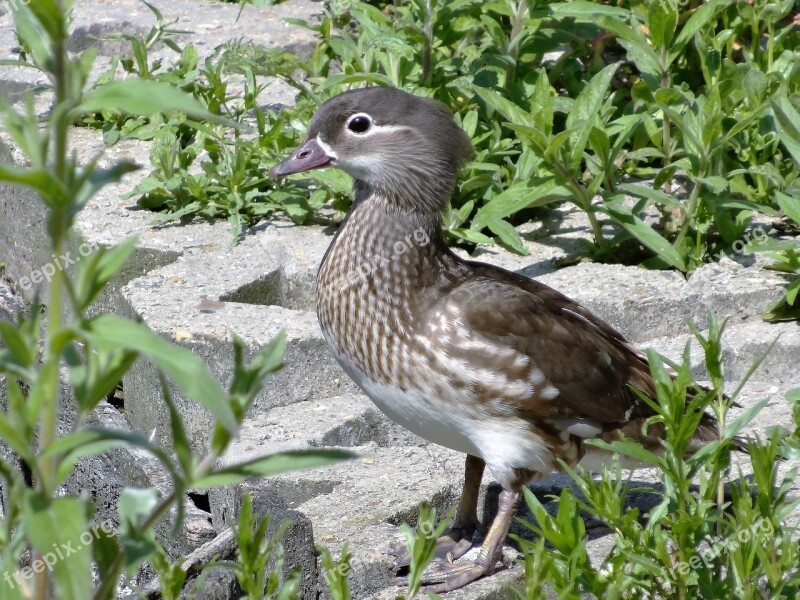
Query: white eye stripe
<point x="373" y="127"/>
<point x="379" y="129"/>
<point x="388" y="128"/>
<point x="326" y="148"/>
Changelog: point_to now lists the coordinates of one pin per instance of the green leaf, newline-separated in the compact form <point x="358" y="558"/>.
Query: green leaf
<point x="515" y="198"/>
<point x="699" y="19"/>
<point x="135" y="507"/>
<point x="275" y="464"/>
<point x="180" y="440"/>
<point x="95" y="271"/>
<point x="15" y="439"/>
<point x="18" y="348"/>
<point x="50" y="189"/>
<point x="792" y="290"/>
<point x="585" y="111"/>
<point x="106" y="550"/>
<point x="188" y="371"/>
<point x="58" y="531"/>
<point x="788" y="125"/>
<point x="588" y="10"/>
<point x="662" y="19"/>
<point x="471" y="236"/>
<point x="542" y="104"/>
<point x="734" y="427"/>
<point x="714" y="183"/>
<point x="32" y="34"/>
<point x="627" y="448"/>
<point x="646" y="235"/>
<point x="144" y="97"/>
<point x="538" y="139"/>
<point x="51" y="16"/>
<point x="657" y="196"/>
<point x="508" y="236"/>
<point x="336" y="572"/>
<point x="789" y="205"/>
<point x="334" y="81"/>
<point x="505" y="107"/>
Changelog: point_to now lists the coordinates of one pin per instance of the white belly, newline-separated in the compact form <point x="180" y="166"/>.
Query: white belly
<point x="417" y="413"/>
<point x="504" y="443"/>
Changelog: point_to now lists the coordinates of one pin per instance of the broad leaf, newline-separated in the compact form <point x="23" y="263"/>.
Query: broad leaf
<point x="188" y="371"/>
<point x="275" y="464"/>
<point x="789" y="205"/>
<point x="585" y="112"/>
<point x="516" y="198"/>
<point x="699" y="19"/>
<point x="59" y="532"/>
<point x="646" y="235"/>
<point x="144" y="97"/>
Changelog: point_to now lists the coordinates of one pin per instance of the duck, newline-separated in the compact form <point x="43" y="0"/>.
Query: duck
<point x="464" y="354"/>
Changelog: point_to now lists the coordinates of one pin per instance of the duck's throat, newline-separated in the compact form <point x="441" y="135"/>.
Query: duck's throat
<point x="376" y="247"/>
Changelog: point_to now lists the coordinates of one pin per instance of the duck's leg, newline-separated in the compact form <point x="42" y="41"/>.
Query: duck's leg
<point x="457" y="540"/>
<point x="445" y="577"/>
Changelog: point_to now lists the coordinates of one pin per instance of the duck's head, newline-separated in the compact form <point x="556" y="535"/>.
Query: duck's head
<point x="402" y="148"/>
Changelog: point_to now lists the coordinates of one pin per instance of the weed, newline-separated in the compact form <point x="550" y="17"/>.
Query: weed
<point x="87" y="353"/>
<point x="697" y="542"/>
<point x="664" y="91"/>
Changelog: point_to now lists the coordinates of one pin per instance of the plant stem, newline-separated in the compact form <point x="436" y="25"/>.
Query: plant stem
<point x="427" y="29"/>
<point x="666" y="126"/>
<point x="690" y="210"/>
<point x="58" y="231"/>
<point x="585" y="203"/>
<point x="513" y="48"/>
<point x="58" y="224"/>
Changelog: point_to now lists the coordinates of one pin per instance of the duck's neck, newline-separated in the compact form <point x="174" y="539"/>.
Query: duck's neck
<point x="382" y="239"/>
<point x="418" y="188"/>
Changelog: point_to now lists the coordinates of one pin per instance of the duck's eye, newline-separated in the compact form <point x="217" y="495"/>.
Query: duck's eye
<point x="359" y="123"/>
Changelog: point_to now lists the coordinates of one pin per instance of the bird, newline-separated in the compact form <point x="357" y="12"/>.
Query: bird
<point x="465" y="354"/>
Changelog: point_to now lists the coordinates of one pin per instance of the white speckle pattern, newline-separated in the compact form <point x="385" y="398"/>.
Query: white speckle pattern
<point x="548" y="392"/>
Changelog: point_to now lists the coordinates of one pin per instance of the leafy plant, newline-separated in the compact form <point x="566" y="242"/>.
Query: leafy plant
<point x="665" y="93"/>
<point x="89" y="354"/>
<point x="786" y="254"/>
<point x="254" y="549"/>
<point x="421" y="545"/>
<point x="336" y="572"/>
<point x="695" y="542"/>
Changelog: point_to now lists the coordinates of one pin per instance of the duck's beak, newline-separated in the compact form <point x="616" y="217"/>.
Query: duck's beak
<point x="309" y="155"/>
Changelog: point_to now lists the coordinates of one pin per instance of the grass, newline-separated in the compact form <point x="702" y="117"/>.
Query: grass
<point x="608" y="107"/>
<point x="66" y="352"/>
